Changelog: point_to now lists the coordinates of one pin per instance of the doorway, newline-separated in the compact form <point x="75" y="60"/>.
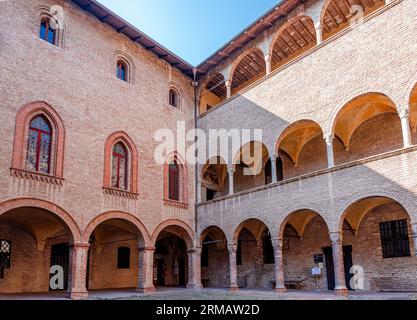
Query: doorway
<point x="60" y="257"/>
<point x="348" y="263"/>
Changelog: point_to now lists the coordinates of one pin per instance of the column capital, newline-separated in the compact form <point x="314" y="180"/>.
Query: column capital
<point x="232" y="247"/>
<point x="335" y="237"/>
<point x="328" y="137"/>
<point x="228" y="83"/>
<point x="277" y="243"/>
<point x="268" y="57"/>
<point x="77" y="246"/>
<point x="318" y="25"/>
<point x="404" y="112"/>
<point x="146" y="249"/>
<point x="231" y="169"/>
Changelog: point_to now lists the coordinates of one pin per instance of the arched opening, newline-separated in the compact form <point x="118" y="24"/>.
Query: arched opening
<point x="214" y="258"/>
<point x="113" y="258"/>
<point x="250" y="67"/>
<point x="295" y="37"/>
<point x="378" y="232"/>
<point x="340" y="14"/>
<point x="302" y="149"/>
<point x="214" y="179"/>
<point x="250" y="166"/>
<point x="306" y="245"/>
<point x="255" y="255"/>
<point x="171" y="267"/>
<point x="33" y="240"/>
<point x="366" y="126"/>
<point x="213" y="93"/>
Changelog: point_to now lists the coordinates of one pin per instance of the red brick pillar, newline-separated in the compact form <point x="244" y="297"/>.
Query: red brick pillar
<point x="339" y="266"/>
<point x="145" y="277"/>
<point x="78" y="271"/>
<point x="233" y="267"/>
<point x="194" y="268"/>
<point x="279" y="266"/>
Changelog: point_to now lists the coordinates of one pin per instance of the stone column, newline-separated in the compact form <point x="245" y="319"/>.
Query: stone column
<point x="274" y="168"/>
<point x="231" y="172"/>
<point x="145" y="277"/>
<point x="198" y="196"/>
<point x="194" y="268"/>
<point x="319" y="32"/>
<point x="233" y="267"/>
<point x="329" y="146"/>
<point x="405" y="126"/>
<point x="77" y="273"/>
<point x="338" y="261"/>
<point x="268" y="64"/>
<point x="414" y="235"/>
<point x="279" y="266"/>
<point x="228" y="84"/>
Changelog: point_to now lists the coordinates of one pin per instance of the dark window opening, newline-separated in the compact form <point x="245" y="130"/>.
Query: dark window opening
<point x="210" y="194"/>
<point x="47" y="32"/>
<point x="268" y="249"/>
<point x="123" y="258"/>
<point x="174" y="181"/>
<point x="122" y="71"/>
<point x="239" y="260"/>
<point x="268" y="172"/>
<point x="173" y="98"/>
<point x="280" y="169"/>
<point x="5" y="253"/>
<point x="120" y="167"/>
<point x="205" y="253"/>
<point x="394" y="239"/>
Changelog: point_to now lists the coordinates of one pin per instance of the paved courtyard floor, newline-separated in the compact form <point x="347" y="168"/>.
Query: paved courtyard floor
<point x="216" y="294"/>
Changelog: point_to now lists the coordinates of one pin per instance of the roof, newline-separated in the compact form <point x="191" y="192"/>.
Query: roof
<point x="282" y="9"/>
<point x="265" y="22"/>
<point x="120" y="25"/>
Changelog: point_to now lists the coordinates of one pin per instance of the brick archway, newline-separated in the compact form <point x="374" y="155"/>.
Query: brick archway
<point x="187" y="233"/>
<point x="54" y="209"/>
<point x="93" y="224"/>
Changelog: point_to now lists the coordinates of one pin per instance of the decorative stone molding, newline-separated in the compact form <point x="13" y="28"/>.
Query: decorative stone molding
<point x="176" y="204"/>
<point x="36" y="176"/>
<point x="120" y="193"/>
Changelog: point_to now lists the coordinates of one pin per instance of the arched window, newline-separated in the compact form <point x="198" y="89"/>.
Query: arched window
<point x="174" y="181"/>
<point x="122" y="70"/>
<point x="47" y="31"/>
<point x="173" y="98"/>
<point x="38" y="156"/>
<point x="120" y="167"/>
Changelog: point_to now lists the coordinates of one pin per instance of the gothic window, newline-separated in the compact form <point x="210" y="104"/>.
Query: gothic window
<point x="394" y="239"/>
<point x="174" y="181"/>
<point x="173" y="98"/>
<point x="120" y="167"/>
<point x="39" y="144"/>
<point x="123" y="258"/>
<point x="47" y="32"/>
<point x="122" y="71"/>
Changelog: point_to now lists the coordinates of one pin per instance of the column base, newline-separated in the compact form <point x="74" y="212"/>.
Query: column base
<point x="146" y="290"/>
<point x="343" y="292"/>
<point x="280" y="290"/>
<point x="194" y="286"/>
<point x="234" y="289"/>
<point x="77" y="295"/>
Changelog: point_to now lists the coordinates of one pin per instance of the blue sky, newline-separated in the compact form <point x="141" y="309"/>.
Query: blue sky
<point x="193" y="29"/>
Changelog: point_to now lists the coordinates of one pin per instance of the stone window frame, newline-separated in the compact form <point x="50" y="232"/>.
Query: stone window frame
<point x="51" y="13"/>
<point x="23" y="119"/>
<point x="132" y="175"/>
<point x="183" y="192"/>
